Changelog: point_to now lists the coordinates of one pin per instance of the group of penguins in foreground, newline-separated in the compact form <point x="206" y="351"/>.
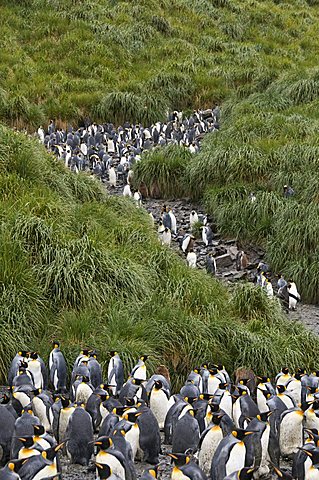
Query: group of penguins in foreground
<point x="216" y="429"/>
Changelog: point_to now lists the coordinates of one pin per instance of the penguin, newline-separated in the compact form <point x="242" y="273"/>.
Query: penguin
<point x="177" y="410"/>
<point x="115" y="373"/>
<point x="166" y="219"/>
<point x="214" y="380"/>
<point x="29" y="449"/>
<point x="139" y="371"/>
<point x="41" y="404"/>
<point x="63" y="419"/>
<point x="281" y="282"/>
<point x="173" y="222"/>
<point x="8" y="472"/>
<point x="82" y="390"/>
<point x="7" y="422"/>
<point x="294" y="387"/>
<point x="149" y="438"/>
<point x="138" y="198"/>
<point x="127" y="191"/>
<point x="15" y="364"/>
<point x="151" y="216"/>
<point x="210" y="264"/>
<point x="244" y="407"/>
<point x="150" y="473"/>
<point x="207" y="235"/>
<point x="158" y="401"/>
<point x="95" y="370"/>
<point x="185" y="468"/>
<point x="291" y="431"/>
<point x="191" y="259"/>
<point x="230" y="455"/>
<point x="24" y="426"/>
<point x="208" y="443"/>
<point x="79" y="433"/>
<point x="224" y="399"/>
<point x="187" y="243"/>
<point x="166" y="237"/>
<point x="243" y="474"/>
<point x="133" y="388"/>
<point x="285" y="397"/>
<point x="112" y="177"/>
<point x="35" y="367"/>
<point x="41" y="466"/>
<point x="93" y="405"/>
<point x="104" y="471"/>
<point x="294" y="296"/>
<point x="186" y="433"/>
<point x="42" y="438"/>
<point x="57" y="368"/>
<point x="241" y="260"/>
<point x="304" y="461"/>
<point x="261" y="443"/>
<point x="283" y="376"/>
<point x="193" y="218"/>
<point x="195" y="378"/>
<point x="109" y="455"/>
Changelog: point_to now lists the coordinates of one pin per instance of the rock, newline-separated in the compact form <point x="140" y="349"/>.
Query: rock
<point x="227" y="274"/>
<point x="223" y="261"/>
<point x="230" y="242"/>
<point x="240" y="275"/>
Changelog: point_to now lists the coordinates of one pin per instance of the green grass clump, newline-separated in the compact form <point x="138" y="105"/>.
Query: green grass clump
<point x="89" y="270"/>
<point x="163" y="170"/>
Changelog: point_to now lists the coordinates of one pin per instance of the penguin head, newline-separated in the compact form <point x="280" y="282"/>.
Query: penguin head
<point x="213" y="370"/>
<point x="223" y="386"/>
<point x="85" y="379"/>
<point x="283" y="474"/>
<point x="38" y="430"/>
<point x="312" y="390"/>
<point x="34" y="355"/>
<point x="281" y="388"/>
<point x="206" y="396"/>
<point x="56" y="344"/>
<point x="145" y="357"/>
<point x="179" y="459"/>
<point x="158" y="384"/>
<point x="27" y="441"/>
<point x="51" y="453"/>
<point x="137" y="381"/>
<point x="244" y="381"/>
<point x="216" y="418"/>
<point x="23" y="353"/>
<point x="119" y="411"/>
<point x="37" y="391"/>
<point x="298" y="376"/>
<point x="5" y="399"/>
<point x="264" y="417"/>
<point x="103" y="443"/>
<point x="104" y="470"/>
<point x="153" y="471"/>
<point x="132" y="416"/>
<point x="65" y="402"/>
<point x="240" y="433"/>
<point x="246" y="473"/>
<point x="113" y="353"/>
<point x="264" y="379"/>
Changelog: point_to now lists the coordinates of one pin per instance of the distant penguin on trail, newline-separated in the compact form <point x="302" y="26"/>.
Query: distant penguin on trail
<point x="294" y="296"/>
<point x="193" y="218"/>
<point x="166" y="237"/>
<point x="207" y="235"/>
<point x="112" y="177"/>
<point x="241" y="260"/>
<point x="187" y="243"/>
<point x="173" y="222"/>
<point x="191" y="259"/>
<point x="211" y="264"/>
<point x="127" y="191"/>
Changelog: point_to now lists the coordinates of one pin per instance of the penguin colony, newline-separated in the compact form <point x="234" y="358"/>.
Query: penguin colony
<point x="216" y="429"/>
<point x="109" y="152"/>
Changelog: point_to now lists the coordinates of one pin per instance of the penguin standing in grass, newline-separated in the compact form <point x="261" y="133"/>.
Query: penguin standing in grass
<point x="166" y="237"/>
<point x="139" y="371"/>
<point x="294" y="296"/>
<point x="115" y="373"/>
<point x="15" y="365"/>
<point x="95" y="370"/>
<point x="187" y="243"/>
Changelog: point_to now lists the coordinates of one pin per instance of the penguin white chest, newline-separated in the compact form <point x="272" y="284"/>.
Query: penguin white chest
<point x="115" y="465"/>
<point x="208" y="448"/>
<point x="159" y="406"/>
<point x="291" y="435"/>
<point x="236" y="460"/>
<point x="133" y="437"/>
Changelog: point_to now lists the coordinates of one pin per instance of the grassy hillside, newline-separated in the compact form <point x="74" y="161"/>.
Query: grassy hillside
<point x="117" y="60"/>
<point x="88" y="269"/>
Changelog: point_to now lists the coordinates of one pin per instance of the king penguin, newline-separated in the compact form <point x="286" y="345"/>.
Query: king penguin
<point x="158" y="400"/>
<point x="58" y="368"/>
<point x="115" y="373"/>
